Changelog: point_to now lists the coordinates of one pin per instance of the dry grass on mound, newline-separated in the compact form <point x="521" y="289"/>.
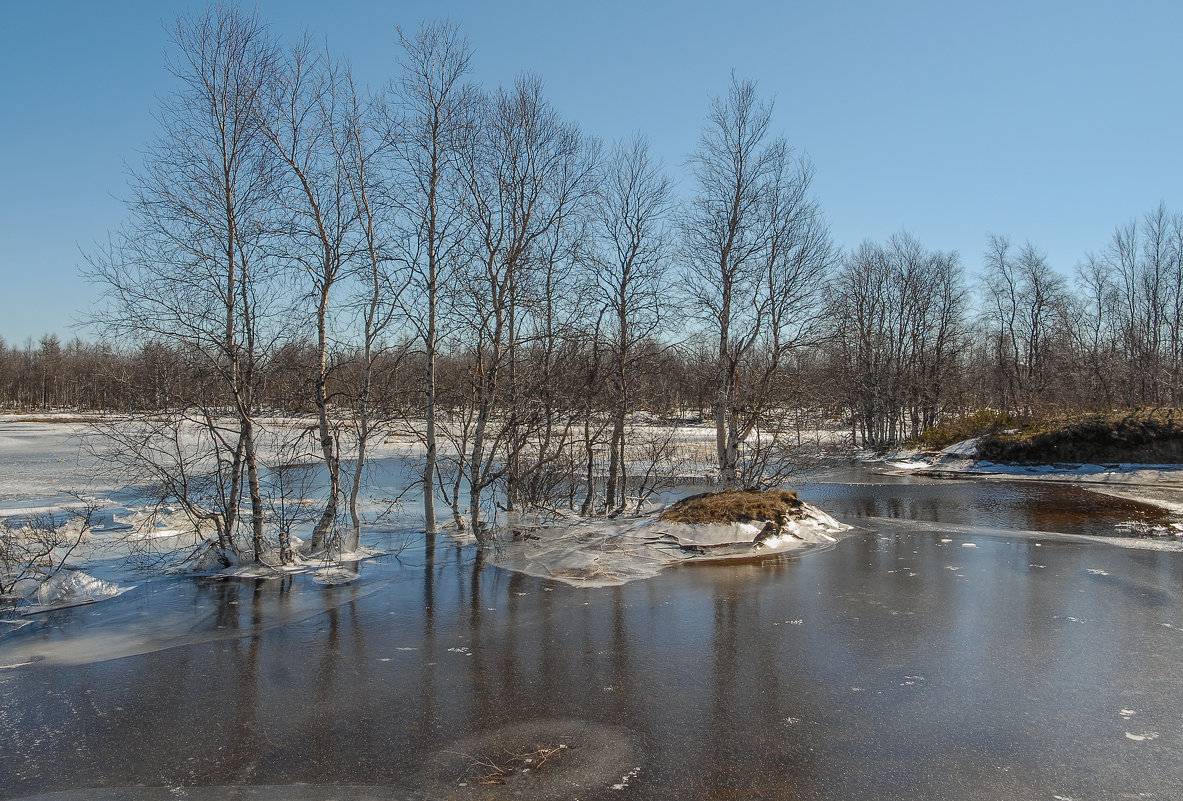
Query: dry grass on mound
<point x="734" y="506"/>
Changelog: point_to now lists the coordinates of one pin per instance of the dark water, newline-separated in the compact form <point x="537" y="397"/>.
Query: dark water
<point x="892" y="666"/>
<point x="854" y="495"/>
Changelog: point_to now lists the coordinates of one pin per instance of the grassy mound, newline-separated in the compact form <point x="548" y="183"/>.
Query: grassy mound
<point x="734" y="506"/>
<point x="978" y="423"/>
<point x="1148" y="437"/>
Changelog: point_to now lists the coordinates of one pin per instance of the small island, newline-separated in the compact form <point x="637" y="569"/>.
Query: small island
<point x="709" y="526"/>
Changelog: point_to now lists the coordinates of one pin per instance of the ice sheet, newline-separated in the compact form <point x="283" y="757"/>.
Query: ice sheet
<point x="602" y="553"/>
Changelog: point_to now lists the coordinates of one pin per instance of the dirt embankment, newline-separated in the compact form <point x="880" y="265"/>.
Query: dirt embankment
<point x="1141" y="437"/>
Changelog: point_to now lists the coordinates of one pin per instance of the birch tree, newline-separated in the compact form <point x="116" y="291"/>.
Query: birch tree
<point x="633" y="213"/>
<point x="898" y="321"/>
<point x="523" y="169"/>
<point x="431" y="116"/>
<point x="189" y="267"/>
<point x="364" y="150"/>
<point x="1025" y="301"/>
<point x="757" y="252"/>
<point x="316" y="219"/>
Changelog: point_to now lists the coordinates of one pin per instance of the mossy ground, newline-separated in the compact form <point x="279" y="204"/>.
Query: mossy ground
<point x="978" y="423"/>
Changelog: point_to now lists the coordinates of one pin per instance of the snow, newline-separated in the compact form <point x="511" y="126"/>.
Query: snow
<point x="1138" y="738"/>
<point x="603" y="553"/>
<point x="332" y="576"/>
<point x="962" y="458"/>
<point x="979" y="531"/>
<point x="38" y="460"/>
<point x="210" y="560"/>
<point x="72" y="588"/>
<point x="966" y="449"/>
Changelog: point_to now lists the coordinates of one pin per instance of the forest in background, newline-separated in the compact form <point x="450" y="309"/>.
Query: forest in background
<point x="464" y="261"/>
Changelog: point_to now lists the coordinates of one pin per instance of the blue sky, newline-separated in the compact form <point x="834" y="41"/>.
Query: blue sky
<point x="1045" y="121"/>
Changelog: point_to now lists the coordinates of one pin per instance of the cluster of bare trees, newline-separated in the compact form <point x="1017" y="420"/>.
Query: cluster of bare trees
<point x="1113" y="339"/>
<point x="300" y="246"/>
<point x="49" y="375"/>
<point x="911" y="348"/>
<point x="468" y="263"/>
<point x="1128" y="321"/>
<point x="898" y="322"/>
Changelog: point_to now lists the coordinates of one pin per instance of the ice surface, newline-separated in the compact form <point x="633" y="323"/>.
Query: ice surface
<point x="293" y="792"/>
<point x="159" y="615"/>
<point x="1130" y="543"/>
<point x="334" y="575"/>
<point x="961" y="457"/>
<point x="9" y="626"/>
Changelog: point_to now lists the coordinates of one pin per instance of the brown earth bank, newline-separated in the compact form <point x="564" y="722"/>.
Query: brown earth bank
<point x="1146" y="437"/>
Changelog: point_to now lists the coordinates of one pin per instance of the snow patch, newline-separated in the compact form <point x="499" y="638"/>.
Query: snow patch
<point x="624" y="780"/>
<point x="966" y="449"/>
<point x="1144" y="736"/>
<point x="602" y="553"/>
<point x="332" y="576"/>
<point x="72" y="588"/>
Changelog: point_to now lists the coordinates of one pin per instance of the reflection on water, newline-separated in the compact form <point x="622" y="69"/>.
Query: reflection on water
<point x="895" y="665"/>
<point x="1024" y="505"/>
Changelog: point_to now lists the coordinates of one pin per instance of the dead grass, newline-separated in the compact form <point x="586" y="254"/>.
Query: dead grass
<point x="734" y="506"/>
<point x="497" y="770"/>
<point x="978" y="423"/>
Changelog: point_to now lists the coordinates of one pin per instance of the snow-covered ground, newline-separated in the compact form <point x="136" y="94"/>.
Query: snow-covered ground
<point x="601" y="553"/>
<point x="56" y="469"/>
<point x="53" y="475"/>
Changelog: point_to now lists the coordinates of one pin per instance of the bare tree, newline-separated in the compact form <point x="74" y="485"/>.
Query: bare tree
<point x="37" y="548"/>
<point x="189" y="267"/>
<point x="430" y="119"/>
<point x="362" y="145"/>
<point x="1025" y="300"/>
<point x="1095" y="337"/>
<point x="631" y="275"/>
<point x="523" y="168"/>
<point x="757" y="252"/>
<point x="1144" y="266"/>
<point x="898" y="320"/>
<point x="303" y="121"/>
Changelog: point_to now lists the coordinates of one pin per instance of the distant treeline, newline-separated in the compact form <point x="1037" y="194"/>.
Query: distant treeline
<point x="81" y="376"/>
<point x="906" y="339"/>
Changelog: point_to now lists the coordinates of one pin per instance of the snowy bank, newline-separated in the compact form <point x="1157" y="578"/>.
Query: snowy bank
<point x="602" y="553"/>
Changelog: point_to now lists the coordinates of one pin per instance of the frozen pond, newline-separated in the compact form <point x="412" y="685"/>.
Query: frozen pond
<point x="899" y="664"/>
